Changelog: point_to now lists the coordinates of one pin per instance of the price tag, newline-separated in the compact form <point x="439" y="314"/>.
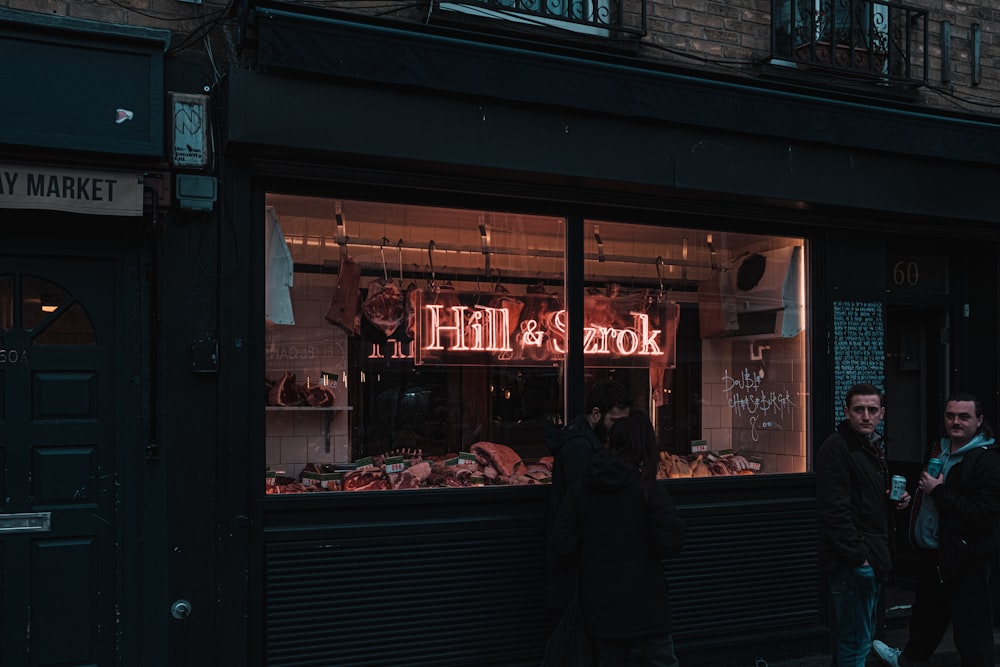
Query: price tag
<point x="395" y="464"/>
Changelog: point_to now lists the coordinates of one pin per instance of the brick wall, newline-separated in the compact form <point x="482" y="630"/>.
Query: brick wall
<point x="731" y="37"/>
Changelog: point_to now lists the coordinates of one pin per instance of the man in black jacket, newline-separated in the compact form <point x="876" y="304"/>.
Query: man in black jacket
<point x="855" y="527"/>
<point x="607" y="401"/>
<point x="955" y="527"/>
<point x="619" y="525"/>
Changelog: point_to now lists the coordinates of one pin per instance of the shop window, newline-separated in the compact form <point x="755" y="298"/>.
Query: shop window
<point x="731" y="400"/>
<point x="422" y="347"/>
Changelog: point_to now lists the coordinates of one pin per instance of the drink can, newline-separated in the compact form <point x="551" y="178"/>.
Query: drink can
<point x="898" y="487"/>
<point x="934" y="467"/>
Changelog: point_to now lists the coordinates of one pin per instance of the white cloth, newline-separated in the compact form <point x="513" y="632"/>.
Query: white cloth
<point x="279" y="269"/>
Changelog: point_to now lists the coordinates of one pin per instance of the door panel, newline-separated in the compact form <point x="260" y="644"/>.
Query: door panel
<point x="58" y="445"/>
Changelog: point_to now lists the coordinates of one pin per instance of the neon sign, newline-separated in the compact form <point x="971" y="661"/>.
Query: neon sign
<point x="465" y="327"/>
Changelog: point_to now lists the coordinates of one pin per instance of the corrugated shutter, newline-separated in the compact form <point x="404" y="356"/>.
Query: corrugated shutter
<point x="434" y="598"/>
<point x="744" y="572"/>
<point x="418" y="583"/>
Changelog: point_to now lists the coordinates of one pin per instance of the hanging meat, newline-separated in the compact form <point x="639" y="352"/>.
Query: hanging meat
<point x="503" y="299"/>
<point x="384" y="308"/>
<point x="343" y="308"/>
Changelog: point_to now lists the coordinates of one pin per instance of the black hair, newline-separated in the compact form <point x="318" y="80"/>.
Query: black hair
<point x="862" y="389"/>
<point x="607" y="394"/>
<point x="634" y="440"/>
<point x="965" y="397"/>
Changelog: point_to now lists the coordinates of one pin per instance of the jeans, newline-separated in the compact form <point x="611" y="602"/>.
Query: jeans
<point x="964" y="602"/>
<point x="855" y="594"/>
<point x="657" y="651"/>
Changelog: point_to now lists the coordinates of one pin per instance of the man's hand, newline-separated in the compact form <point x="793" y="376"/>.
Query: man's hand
<point x="928" y="483"/>
<point x="904" y="500"/>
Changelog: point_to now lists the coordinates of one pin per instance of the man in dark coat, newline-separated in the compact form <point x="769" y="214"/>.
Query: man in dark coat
<point x="607" y="401"/>
<point x="621" y="524"/>
<point x="855" y="523"/>
<point x="955" y="527"/>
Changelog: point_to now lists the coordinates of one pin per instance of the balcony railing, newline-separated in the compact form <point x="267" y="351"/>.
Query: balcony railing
<point x="596" y="17"/>
<point x="883" y="41"/>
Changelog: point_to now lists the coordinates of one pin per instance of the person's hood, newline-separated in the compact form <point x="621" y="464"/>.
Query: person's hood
<point x="607" y="472"/>
<point x="978" y="440"/>
<point x="580" y="427"/>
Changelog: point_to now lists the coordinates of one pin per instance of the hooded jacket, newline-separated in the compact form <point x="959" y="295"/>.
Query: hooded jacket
<point x="965" y="508"/>
<point x="572" y="448"/>
<point x="854" y="512"/>
<point x="620" y="540"/>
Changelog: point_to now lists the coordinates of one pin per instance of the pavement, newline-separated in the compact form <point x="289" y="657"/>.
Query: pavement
<point x="895" y="634"/>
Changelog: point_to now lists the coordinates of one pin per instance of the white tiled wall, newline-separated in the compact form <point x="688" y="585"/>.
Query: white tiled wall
<point x="309" y="347"/>
<point x="756" y="420"/>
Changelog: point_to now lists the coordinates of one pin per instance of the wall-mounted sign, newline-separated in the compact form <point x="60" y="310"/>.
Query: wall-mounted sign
<point x="190" y="146"/>
<point x="473" y="327"/>
<point x="73" y="190"/>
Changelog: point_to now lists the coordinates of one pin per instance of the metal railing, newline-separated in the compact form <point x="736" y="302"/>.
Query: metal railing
<point x="880" y="40"/>
<point x="597" y="17"/>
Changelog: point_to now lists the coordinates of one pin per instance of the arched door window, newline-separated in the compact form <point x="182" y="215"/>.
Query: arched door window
<point x="46" y="312"/>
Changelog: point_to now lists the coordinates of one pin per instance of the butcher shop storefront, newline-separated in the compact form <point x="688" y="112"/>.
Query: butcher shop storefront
<point x="414" y="357"/>
<point x="436" y="271"/>
<point x="417" y="339"/>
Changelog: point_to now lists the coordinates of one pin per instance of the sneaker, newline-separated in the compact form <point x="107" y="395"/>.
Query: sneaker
<point x="886" y="653"/>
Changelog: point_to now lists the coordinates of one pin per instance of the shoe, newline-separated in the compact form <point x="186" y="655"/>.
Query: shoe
<point x="886" y="653"/>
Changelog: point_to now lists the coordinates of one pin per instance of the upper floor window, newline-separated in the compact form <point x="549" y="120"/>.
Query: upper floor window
<point x="886" y="41"/>
<point x="593" y="17"/>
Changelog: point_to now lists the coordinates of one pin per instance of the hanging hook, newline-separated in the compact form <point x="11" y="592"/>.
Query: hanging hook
<point x="399" y="247"/>
<point x="430" y="260"/>
<point x="381" y="251"/>
<point x="341" y="230"/>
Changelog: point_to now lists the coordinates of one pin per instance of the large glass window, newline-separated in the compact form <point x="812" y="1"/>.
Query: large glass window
<point x="732" y="400"/>
<point x="421" y="347"/>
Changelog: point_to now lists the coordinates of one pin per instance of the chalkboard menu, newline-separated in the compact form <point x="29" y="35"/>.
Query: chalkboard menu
<point x="858" y="348"/>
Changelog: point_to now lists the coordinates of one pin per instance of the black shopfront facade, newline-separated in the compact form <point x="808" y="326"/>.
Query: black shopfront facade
<point x="428" y="158"/>
<point x="538" y="181"/>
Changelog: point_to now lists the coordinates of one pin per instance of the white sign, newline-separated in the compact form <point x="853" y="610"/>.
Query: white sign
<point x="190" y="127"/>
<point x="73" y="190"/>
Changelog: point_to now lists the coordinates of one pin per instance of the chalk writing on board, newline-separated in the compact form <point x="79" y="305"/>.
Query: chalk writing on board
<point x="858" y="348"/>
<point x="748" y="398"/>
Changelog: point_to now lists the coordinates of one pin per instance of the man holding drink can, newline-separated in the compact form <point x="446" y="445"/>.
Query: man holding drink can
<point x="955" y="528"/>
<point x="855" y="522"/>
